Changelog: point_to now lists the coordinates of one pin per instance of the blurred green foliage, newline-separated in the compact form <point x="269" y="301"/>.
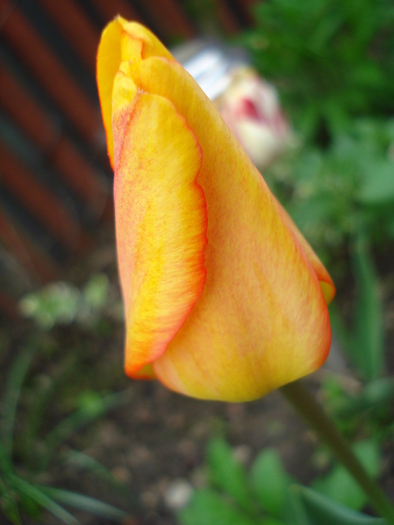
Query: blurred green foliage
<point x="370" y="408"/>
<point x="331" y="59"/>
<point x="267" y="495"/>
<point x="336" y="192"/>
<point x="341" y="487"/>
<point x="62" y="303"/>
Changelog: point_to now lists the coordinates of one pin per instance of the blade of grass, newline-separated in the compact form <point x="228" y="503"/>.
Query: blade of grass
<point x="40" y="403"/>
<point x="15" y="379"/>
<point x="3" y="340"/>
<point x="368" y="350"/>
<point x="325" y="511"/>
<point x="374" y="395"/>
<point x="296" y="510"/>
<point x="85" y="503"/>
<point x="5" y="461"/>
<point x="339" y="327"/>
<point x="43" y="500"/>
<point x="9" y="505"/>
<point x="84" y="461"/>
<point x="79" y="419"/>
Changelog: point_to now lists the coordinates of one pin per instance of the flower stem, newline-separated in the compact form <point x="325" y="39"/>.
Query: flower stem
<point x="299" y="396"/>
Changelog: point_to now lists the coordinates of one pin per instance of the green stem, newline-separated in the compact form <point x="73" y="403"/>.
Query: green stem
<point x="300" y="397"/>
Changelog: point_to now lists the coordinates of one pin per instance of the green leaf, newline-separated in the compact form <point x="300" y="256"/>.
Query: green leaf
<point x="270" y="481"/>
<point x="340" y="486"/>
<point x="5" y="461"/>
<point x="228" y="473"/>
<point x="43" y="500"/>
<point x="365" y="346"/>
<point x="378" y="184"/>
<point x="15" y="379"/>
<point x="8" y="503"/>
<point x="29" y="506"/>
<point x="271" y="521"/>
<point x="85" y="503"/>
<point x="368" y="350"/>
<point x="315" y="509"/>
<point x="209" y="508"/>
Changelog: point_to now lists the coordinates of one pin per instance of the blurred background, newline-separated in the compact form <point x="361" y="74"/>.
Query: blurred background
<point x="55" y="176"/>
<point x="308" y="89"/>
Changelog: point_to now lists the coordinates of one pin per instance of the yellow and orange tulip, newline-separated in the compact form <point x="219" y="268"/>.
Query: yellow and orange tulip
<point x="224" y="299"/>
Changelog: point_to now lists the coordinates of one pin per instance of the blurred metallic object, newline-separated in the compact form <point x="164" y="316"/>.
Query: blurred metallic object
<point x="211" y="64"/>
<point x="249" y="105"/>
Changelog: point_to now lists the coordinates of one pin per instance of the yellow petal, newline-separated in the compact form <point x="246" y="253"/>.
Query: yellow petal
<point x="109" y="57"/>
<point x="261" y="320"/>
<point x="160" y="218"/>
<point x="326" y="283"/>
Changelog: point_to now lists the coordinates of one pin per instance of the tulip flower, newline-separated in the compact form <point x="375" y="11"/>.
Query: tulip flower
<point x="224" y="299"/>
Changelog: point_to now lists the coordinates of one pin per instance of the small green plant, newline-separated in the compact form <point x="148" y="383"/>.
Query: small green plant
<point x="268" y="495"/>
<point x="25" y="455"/>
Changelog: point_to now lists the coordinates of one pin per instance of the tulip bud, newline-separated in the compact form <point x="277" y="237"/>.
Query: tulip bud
<point x="224" y="298"/>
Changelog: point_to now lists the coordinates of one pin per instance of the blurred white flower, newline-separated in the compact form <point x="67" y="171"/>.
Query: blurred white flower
<point x="250" y="107"/>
